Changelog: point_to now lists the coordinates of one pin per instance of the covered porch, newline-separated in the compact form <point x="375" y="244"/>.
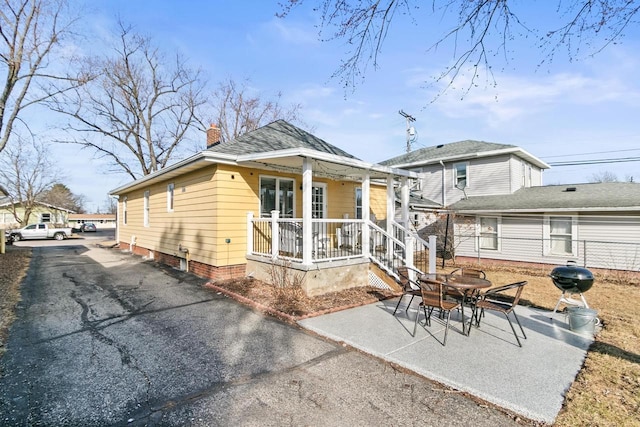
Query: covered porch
<point x="316" y="241"/>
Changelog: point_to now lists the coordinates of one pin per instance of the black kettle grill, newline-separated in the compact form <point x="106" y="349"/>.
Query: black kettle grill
<point x="571" y="279"/>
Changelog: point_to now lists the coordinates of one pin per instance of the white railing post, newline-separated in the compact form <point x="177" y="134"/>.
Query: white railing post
<point x="408" y="250"/>
<point x="249" y="233"/>
<point x="275" y="234"/>
<point x="432" y="254"/>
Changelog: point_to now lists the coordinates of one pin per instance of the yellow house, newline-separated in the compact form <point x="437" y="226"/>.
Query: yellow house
<point x="274" y="196"/>
<point x="42" y="212"/>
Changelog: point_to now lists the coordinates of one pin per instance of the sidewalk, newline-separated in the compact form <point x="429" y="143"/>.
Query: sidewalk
<point x="530" y="381"/>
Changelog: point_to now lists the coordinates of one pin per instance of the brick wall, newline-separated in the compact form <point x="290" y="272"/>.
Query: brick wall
<point x="195" y="267"/>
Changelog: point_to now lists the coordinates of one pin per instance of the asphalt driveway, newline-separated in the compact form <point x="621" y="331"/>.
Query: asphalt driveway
<point x="105" y="338"/>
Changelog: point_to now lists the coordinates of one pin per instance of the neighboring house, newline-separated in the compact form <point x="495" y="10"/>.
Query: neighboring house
<point x="596" y="225"/>
<point x="42" y="212"/>
<point x="493" y="194"/>
<point x="102" y="221"/>
<point x="451" y="172"/>
<point x="274" y="196"/>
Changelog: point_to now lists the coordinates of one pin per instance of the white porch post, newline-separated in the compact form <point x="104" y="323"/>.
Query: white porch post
<point x="391" y="213"/>
<point x="404" y="200"/>
<point x="249" y="233"/>
<point x="275" y="234"/>
<point x="432" y="254"/>
<point x="391" y="204"/>
<point x="366" y="206"/>
<point x="307" y="227"/>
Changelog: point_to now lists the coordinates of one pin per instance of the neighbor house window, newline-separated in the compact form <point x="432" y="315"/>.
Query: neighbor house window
<point x="460" y="175"/>
<point x="170" y="188"/>
<point x="489" y="233"/>
<point x="146" y="208"/>
<point x="560" y="235"/>
<point x="124" y="211"/>
<point x="277" y="194"/>
<point x="358" y="203"/>
<point x="46" y="217"/>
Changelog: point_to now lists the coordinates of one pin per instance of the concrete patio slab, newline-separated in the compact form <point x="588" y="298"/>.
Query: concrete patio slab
<point x="530" y="380"/>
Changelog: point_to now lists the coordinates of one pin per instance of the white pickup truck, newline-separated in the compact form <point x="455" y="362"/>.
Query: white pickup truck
<point x="40" y="231"/>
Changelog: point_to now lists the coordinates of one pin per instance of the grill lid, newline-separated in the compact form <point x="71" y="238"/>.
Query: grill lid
<point x="572" y="278"/>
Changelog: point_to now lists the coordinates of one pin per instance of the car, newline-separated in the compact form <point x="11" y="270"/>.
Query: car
<point x="88" y="227"/>
<point x="8" y="238"/>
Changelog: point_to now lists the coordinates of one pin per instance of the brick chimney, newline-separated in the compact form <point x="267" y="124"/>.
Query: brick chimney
<point x="213" y="136"/>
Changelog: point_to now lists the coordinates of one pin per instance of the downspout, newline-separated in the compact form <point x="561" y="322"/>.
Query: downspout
<point x="444" y="198"/>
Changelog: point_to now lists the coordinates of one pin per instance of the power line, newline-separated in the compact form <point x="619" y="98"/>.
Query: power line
<point x="596" y="161"/>
<point x="587" y="154"/>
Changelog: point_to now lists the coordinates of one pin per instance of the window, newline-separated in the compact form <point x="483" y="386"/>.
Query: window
<point x="170" y="188"/>
<point x="460" y="175"/>
<point x="489" y="228"/>
<point x="124" y="210"/>
<point x="46" y="217"/>
<point x="146" y="208"/>
<point x="561" y="235"/>
<point x="318" y="200"/>
<point x="358" y="203"/>
<point x="277" y="194"/>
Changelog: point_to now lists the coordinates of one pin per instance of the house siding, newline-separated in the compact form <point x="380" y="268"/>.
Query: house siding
<point x="604" y="241"/>
<point x="210" y="208"/>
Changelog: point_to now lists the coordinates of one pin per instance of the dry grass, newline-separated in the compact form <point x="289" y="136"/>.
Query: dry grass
<point x="13" y="267"/>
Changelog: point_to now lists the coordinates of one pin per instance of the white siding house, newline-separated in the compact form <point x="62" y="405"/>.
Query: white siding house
<point x="597" y="225"/>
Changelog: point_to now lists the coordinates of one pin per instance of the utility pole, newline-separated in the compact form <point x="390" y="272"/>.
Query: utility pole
<point x="410" y="119"/>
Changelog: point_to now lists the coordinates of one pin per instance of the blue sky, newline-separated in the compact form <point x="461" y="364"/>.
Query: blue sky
<point x="585" y="109"/>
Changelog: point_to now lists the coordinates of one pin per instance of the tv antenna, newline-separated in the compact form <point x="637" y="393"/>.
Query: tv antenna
<point x="410" y="130"/>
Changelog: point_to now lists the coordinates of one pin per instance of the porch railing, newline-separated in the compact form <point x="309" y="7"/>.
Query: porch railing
<point x="339" y="239"/>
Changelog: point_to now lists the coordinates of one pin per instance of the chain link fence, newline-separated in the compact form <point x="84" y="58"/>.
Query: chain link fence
<point x="588" y="253"/>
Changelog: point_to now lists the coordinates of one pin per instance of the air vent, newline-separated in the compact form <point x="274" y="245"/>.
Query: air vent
<point x="570" y="189"/>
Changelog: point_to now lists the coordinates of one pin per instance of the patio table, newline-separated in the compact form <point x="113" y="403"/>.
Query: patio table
<point x="469" y="287"/>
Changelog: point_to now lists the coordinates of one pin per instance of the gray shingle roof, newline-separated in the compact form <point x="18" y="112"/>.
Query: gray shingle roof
<point x="445" y="151"/>
<point x="278" y="135"/>
<point x="604" y="196"/>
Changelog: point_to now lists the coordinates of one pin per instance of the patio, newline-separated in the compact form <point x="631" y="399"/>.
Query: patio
<point x="529" y="381"/>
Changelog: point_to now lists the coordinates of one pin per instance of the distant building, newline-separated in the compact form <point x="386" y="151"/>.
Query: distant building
<point x="102" y="221"/>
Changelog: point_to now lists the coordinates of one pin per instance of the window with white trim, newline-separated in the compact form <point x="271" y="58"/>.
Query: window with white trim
<point x="170" y="193"/>
<point x="461" y="175"/>
<point x="318" y="200"/>
<point x="124" y="210"/>
<point x="45" y="217"/>
<point x="358" y="203"/>
<point x="561" y="235"/>
<point x="277" y="194"/>
<point x="146" y="208"/>
<point x="489" y="233"/>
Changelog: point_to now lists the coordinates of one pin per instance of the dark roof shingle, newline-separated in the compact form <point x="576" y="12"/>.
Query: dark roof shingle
<point x="444" y="151"/>
<point x="604" y="195"/>
<point x="278" y="135"/>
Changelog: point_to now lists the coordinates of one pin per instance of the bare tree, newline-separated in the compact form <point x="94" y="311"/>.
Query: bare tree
<point x="239" y="109"/>
<point x="59" y="195"/>
<point x="26" y="174"/>
<point x="30" y="31"/>
<point x="481" y="32"/>
<point x="603" y="176"/>
<point x="138" y="110"/>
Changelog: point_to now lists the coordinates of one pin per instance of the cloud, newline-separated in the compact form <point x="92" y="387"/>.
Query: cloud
<point x="297" y="34"/>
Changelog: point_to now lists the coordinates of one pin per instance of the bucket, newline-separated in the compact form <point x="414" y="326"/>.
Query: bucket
<point x="583" y="320"/>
